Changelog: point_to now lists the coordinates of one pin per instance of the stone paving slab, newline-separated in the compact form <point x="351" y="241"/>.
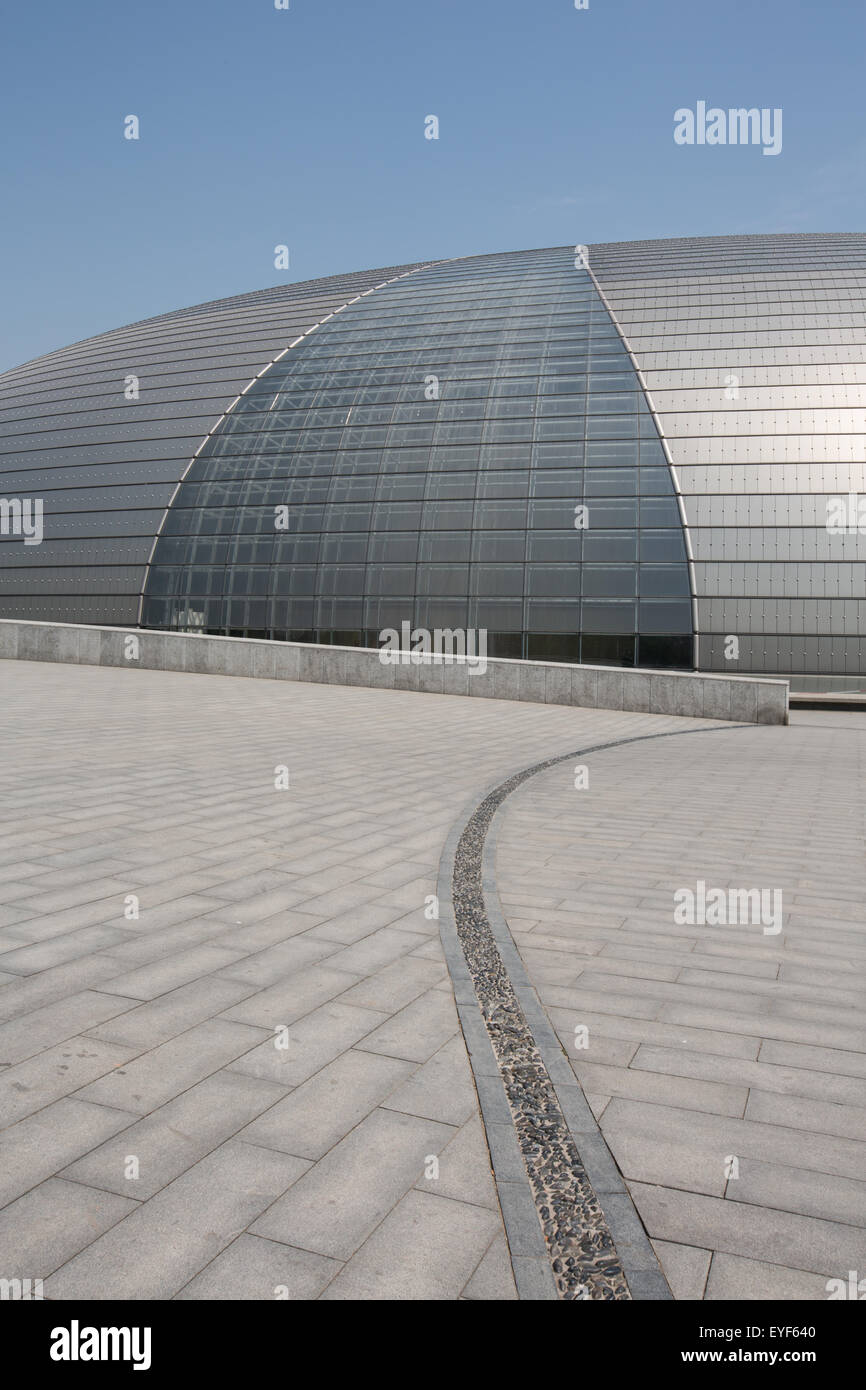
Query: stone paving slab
<point x="254" y="1269"/>
<point x="273" y="1035"/>
<point x="172" y="1138"/>
<point x="51" y="1223"/>
<point x="259" y="913"/>
<point x="159" y="1247"/>
<point x="450" y="1240"/>
<point x="726" y="1064"/>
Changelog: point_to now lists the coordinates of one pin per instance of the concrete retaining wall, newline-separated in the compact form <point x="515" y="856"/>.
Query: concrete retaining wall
<point x="745" y="699"/>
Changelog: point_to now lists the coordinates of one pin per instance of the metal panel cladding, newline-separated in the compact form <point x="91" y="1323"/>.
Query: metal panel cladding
<point x="101" y="432"/>
<point x="753" y="350"/>
<point x="427" y="434"/>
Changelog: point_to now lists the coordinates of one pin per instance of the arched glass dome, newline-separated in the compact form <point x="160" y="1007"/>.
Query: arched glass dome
<point x="421" y="457"/>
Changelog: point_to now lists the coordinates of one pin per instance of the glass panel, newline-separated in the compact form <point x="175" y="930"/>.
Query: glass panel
<point x="428" y="510"/>
<point x="607" y="650"/>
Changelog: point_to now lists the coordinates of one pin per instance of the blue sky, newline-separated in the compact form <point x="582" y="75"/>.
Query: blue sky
<point x="305" y="127"/>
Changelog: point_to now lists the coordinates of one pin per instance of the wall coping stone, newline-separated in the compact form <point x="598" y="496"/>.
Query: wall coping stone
<point x="696" y="694"/>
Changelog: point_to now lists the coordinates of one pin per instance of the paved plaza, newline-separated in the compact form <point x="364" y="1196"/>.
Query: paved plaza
<point x="726" y="1064"/>
<point x="231" y="1061"/>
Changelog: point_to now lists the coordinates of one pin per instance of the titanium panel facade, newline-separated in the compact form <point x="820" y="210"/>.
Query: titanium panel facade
<point x="753" y="351"/>
<point x="429" y="440"/>
<point x="105" y="466"/>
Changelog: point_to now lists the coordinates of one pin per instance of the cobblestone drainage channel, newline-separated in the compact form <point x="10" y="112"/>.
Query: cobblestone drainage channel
<point x="573" y="1231"/>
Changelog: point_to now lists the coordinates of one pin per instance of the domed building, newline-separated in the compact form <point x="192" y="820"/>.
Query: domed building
<point x="640" y="454"/>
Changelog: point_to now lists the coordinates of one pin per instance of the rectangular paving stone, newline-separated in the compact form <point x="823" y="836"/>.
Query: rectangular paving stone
<point x="161" y="976"/>
<point x="796" y="1189"/>
<point x="290" y="999"/>
<point x="340" y="1201"/>
<point x="796" y="1112"/>
<point x="762" y="1076"/>
<point x="147" y="1025"/>
<point x="91" y="890"/>
<point x="162" y="1073"/>
<point x="52" y="1223"/>
<point x="255" y="909"/>
<point x="426" y="1248"/>
<point x="536" y="946"/>
<point x="312" y="852"/>
<point x="638" y="1029"/>
<point x="23" y="871"/>
<point x="39" y="1146"/>
<point x="137" y="949"/>
<point x="613" y="1052"/>
<point x="411" y="895"/>
<point x="838" y="978"/>
<point x="464" y="1171"/>
<point x="375" y="951"/>
<point x="29" y="959"/>
<point x="398" y="872"/>
<point x="685" y="1268"/>
<point x="166" y="867"/>
<point x="732" y="1277"/>
<point x="669" y="1161"/>
<point x="396" y="985"/>
<point x="270" y="931"/>
<point x="441" y="1089"/>
<point x="820" y="1059"/>
<point x="493" y="1280"/>
<point x="251" y="884"/>
<point x="253" y="1268"/>
<point x="29" y="1034"/>
<point x="321" y="1111"/>
<point x="431" y="950"/>
<point x="711" y="956"/>
<point x="738" y="1228"/>
<point x="778" y="991"/>
<point x="579" y="1000"/>
<point x="323" y="880"/>
<point x="56" y="1072"/>
<point x="419" y="1030"/>
<point x="166" y="1241"/>
<point x="185" y="887"/>
<point x="110" y="911"/>
<point x="338" y="899"/>
<point x="171" y="1139"/>
<point x="73" y="857"/>
<point x="313" y="1042"/>
<point x="717" y="997"/>
<point x="720" y="1136"/>
<point x="278" y="962"/>
<point x="764" y="1025"/>
<point x="522" y="1225"/>
<point x="348" y="927"/>
<point x="237" y="850"/>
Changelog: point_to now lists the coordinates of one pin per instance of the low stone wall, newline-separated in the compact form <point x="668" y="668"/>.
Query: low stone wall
<point x="745" y="699"/>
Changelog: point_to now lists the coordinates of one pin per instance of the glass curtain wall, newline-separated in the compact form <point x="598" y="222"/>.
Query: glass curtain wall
<point x="468" y="447"/>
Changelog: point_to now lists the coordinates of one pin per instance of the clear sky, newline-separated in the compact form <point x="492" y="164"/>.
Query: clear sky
<point x="305" y="127"/>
